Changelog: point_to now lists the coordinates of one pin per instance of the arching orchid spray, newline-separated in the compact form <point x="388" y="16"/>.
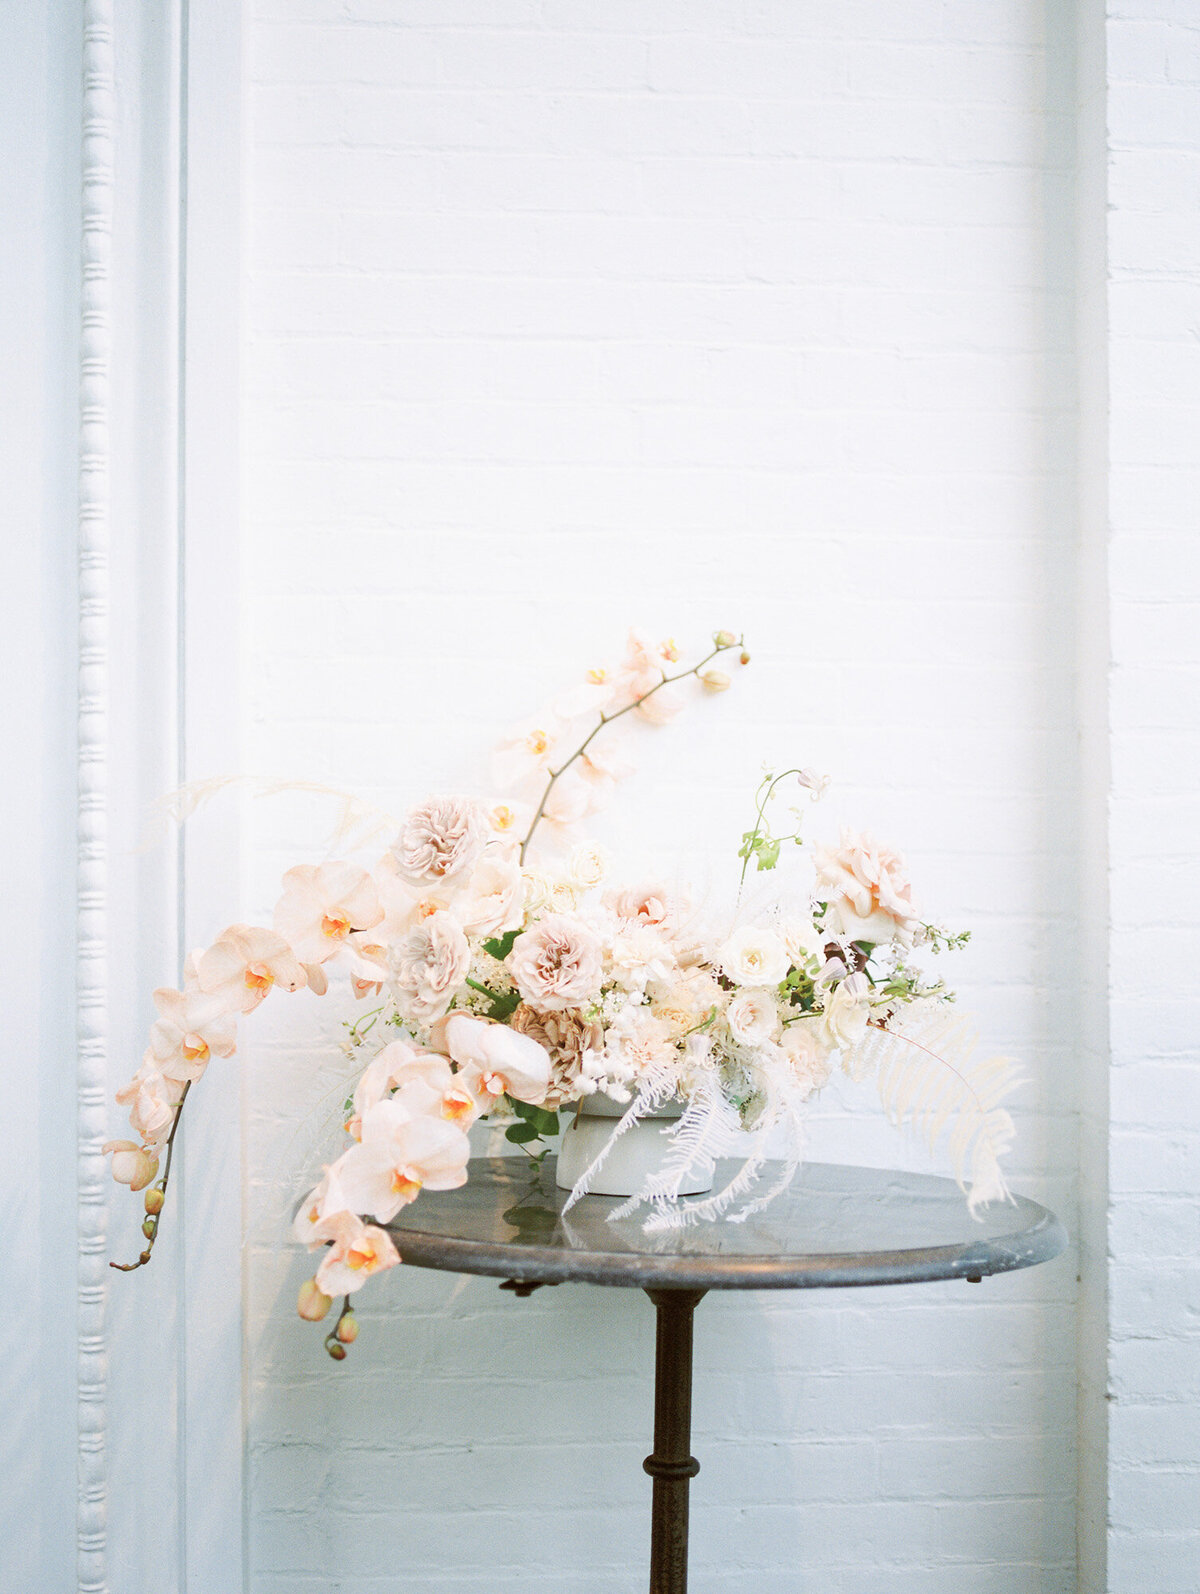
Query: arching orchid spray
<point x="510" y="989"/>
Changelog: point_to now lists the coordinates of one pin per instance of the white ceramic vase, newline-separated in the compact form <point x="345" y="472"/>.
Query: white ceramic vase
<point x="639" y="1152"/>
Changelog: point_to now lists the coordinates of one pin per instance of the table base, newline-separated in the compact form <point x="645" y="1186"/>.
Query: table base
<point x="672" y="1465"/>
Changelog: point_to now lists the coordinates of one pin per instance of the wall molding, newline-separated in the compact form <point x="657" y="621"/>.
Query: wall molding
<point x="91" y="973"/>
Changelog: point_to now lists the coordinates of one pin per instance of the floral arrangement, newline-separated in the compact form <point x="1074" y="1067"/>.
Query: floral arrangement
<point x="511" y="986"/>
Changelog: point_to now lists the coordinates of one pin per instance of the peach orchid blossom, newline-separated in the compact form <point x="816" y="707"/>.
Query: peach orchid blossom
<point x="243" y="964"/>
<point x="533" y="750"/>
<point x="400" y="1155"/>
<point x="131" y="1163"/>
<point x="641" y="670"/>
<point x="423" y="1083"/>
<point x="497" y="1061"/>
<point x="321" y="905"/>
<point x="192" y="1027"/>
<point x="314" y="1222"/>
<point x="359" y="1250"/>
<point x="153" y="1100"/>
<point x="509" y="821"/>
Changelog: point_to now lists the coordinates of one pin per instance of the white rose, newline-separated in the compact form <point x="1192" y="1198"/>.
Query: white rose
<point x="754" y="956"/>
<point x="847" y="1009"/>
<point x="588" y="865"/>
<point x="807" y="1058"/>
<point x="803" y="941"/>
<point x="641" y="955"/>
<point x="495" y="897"/>
<point x="753" y="1017"/>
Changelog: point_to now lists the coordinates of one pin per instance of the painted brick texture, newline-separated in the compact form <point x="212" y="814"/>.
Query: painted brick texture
<point x="1154" y="583"/>
<point x="563" y="317"/>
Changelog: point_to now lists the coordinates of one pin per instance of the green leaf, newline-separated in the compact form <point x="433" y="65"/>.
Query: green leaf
<point x="546" y="1123"/>
<point x="504" y="1004"/>
<point x="520" y="1134"/>
<point x="500" y="946"/>
<point x="768" y="853"/>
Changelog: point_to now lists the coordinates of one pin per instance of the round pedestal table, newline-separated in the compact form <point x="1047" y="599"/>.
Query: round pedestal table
<point x="835" y="1228"/>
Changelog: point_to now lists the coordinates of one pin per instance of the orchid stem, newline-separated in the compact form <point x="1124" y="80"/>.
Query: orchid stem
<point x="131" y="1267"/>
<point x="607" y="719"/>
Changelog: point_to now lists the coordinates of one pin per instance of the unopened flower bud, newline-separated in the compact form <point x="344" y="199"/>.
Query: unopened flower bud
<point x="724" y="639"/>
<point x="154" y="1201"/>
<point x="131" y="1163"/>
<point x="347" y="1328"/>
<point x="714" y="680"/>
<point x="312" y="1303"/>
<point x="338" y="1352"/>
<point x="745" y="658"/>
<point x="150" y="1228"/>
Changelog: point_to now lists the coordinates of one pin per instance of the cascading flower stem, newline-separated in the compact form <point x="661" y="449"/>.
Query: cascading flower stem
<point x="156" y="1196"/>
<point x="512" y="992"/>
<point x="722" y="646"/>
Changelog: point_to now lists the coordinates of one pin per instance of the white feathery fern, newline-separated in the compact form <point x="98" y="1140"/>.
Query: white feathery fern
<point x="707" y="1129"/>
<point x="657" y="1087"/>
<point x="783" y="1107"/>
<point x="927" y="1077"/>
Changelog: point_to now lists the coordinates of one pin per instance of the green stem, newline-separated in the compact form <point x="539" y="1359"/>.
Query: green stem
<point x="758" y="819"/>
<point x="607" y="719"/>
<point x="131" y="1267"/>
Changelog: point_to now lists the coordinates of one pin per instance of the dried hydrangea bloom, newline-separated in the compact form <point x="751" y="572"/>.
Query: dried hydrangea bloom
<point x="566" y="1037"/>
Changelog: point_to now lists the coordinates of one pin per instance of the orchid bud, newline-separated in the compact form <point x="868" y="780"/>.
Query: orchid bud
<point x="745" y="658"/>
<point x="131" y="1164"/>
<point x="347" y="1328"/>
<point x="155" y="1199"/>
<point x="714" y="680"/>
<point x="312" y="1303"/>
<point x="338" y="1352"/>
<point x="150" y="1228"/>
<point x="725" y="639"/>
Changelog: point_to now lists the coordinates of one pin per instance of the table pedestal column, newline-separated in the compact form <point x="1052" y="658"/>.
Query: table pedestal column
<point x="672" y="1466"/>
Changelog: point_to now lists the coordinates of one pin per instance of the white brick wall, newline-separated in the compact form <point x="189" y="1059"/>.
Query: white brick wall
<point x="1154" y="573"/>
<point x="562" y="316"/>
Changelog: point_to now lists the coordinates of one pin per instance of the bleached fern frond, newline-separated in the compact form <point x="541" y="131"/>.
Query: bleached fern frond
<point x="358" y="822"/>
<point x="927" y="1077"/>
<point x="707" y="1129"/>
<point x="656" y="1087"/>
<point x="674" y="1215"/>
<point x="785" y="1107"/>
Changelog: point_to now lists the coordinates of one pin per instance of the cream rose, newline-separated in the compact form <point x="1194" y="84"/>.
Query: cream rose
<point x="847" y="1009"/>
<point x="588" y="865"/>
<point x="494" y="900"/>
<point x="754" y="956"/>
<point x="753" y="1017"/>
<point x="641" y="955"/>
<point x="869" y="892"/>
<point x="440" y="839"/>
<point x="807" y="1058"/>
<point x="645" y="904"/>
<point x="557" y="963"/>
<point x="428" y="966"/>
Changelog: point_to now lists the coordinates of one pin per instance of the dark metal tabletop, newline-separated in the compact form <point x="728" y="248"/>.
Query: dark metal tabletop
<point x="835" y="1226"/>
